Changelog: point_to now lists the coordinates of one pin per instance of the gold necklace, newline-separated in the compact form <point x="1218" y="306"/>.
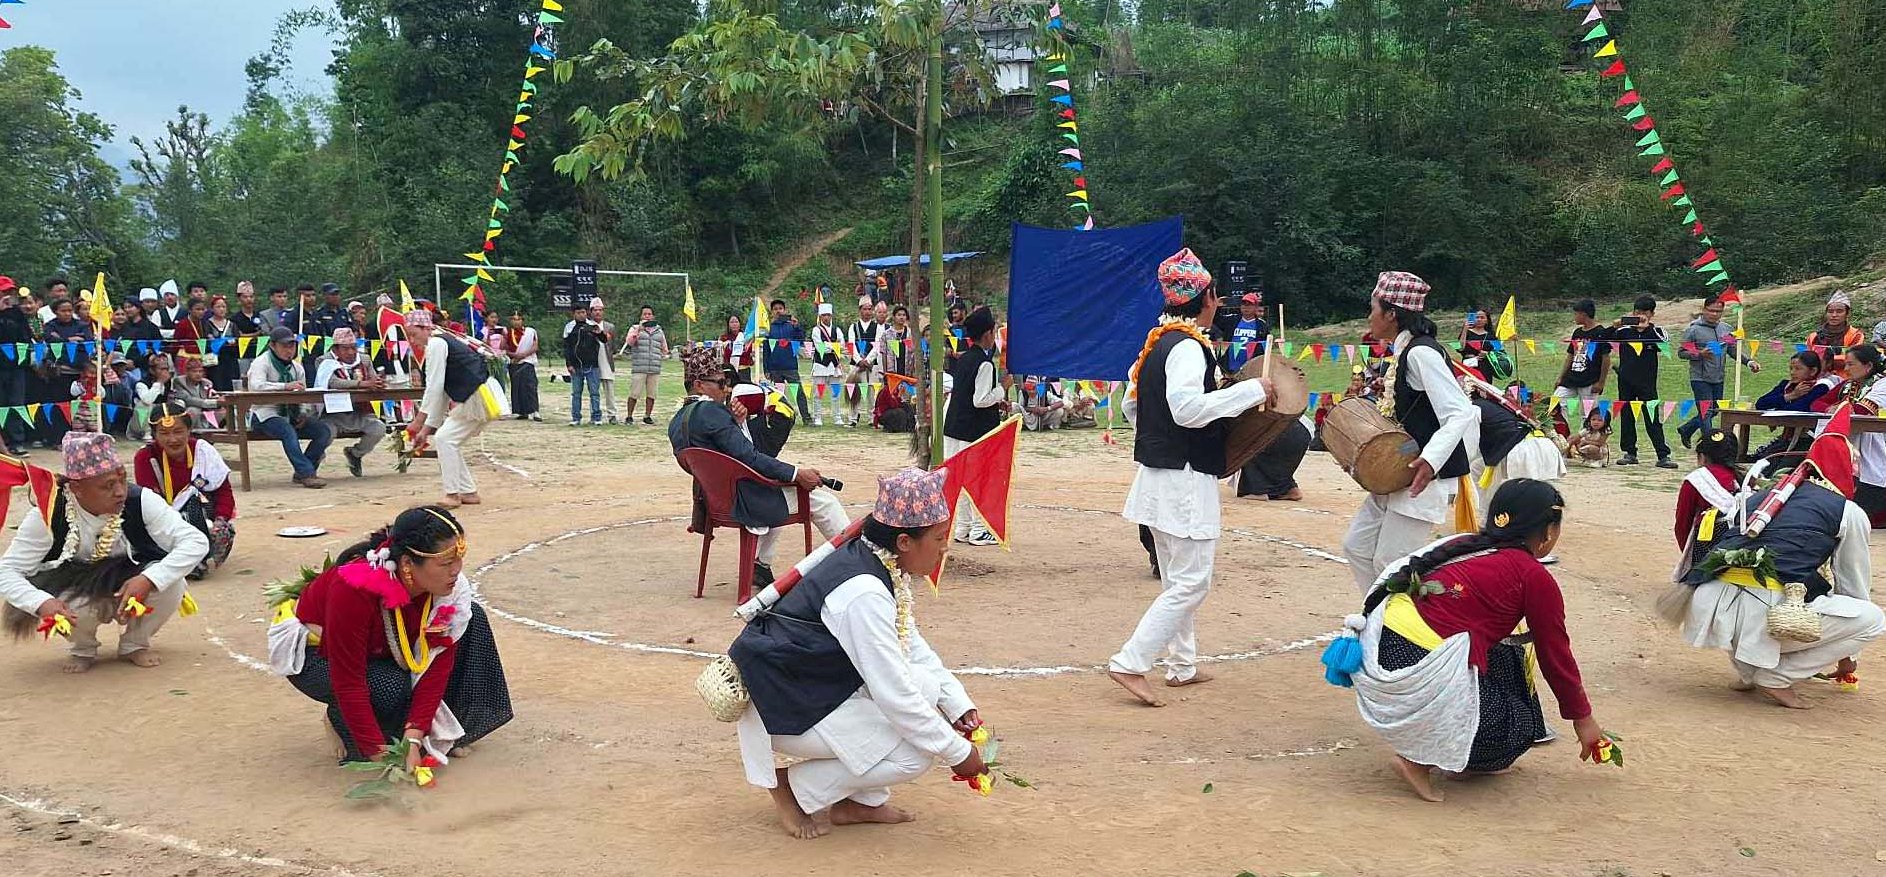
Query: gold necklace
<point x="398" y="635"/>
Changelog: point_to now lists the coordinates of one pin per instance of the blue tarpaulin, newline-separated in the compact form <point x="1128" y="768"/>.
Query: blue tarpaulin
<point x="1081" y="302"/>
<point x="883" y="262"/>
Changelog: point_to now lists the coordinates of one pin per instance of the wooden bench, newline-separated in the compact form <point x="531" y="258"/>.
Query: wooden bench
<point x="238" y="404"/>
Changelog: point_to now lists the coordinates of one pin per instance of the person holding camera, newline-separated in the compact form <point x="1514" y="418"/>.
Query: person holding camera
<point x="648" y="346"/>
<point x="706" y="421"/>
<point x="583" y="341"/>
<point x="1639" y="340"/>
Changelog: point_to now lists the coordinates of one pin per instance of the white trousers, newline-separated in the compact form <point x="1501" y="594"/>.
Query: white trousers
<point x="1840" y="638"/>
<point x="858" y="390"/>
<point x="464" y="422"/>
<point x="825" y="390"/>
<point x="822" y="780"/>
<point x="828" y="517"/>
<point x="1167" y="629"/>
<point x="137" y="635"/>
<point x="1378" y="537"/>
<point x="968" y="523"/>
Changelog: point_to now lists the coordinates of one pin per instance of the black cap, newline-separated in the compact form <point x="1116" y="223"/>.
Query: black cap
<point x="280" y="333"/>
<point x="979" y="322"/>
<point x="330" y="288"/>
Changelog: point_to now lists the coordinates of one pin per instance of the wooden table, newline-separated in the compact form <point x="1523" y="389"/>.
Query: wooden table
<point x="238" y="403"/>
<point x="1739" y="421"/>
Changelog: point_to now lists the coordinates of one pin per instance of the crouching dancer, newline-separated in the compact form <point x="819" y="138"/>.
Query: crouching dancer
<point x="841" y="678"/>
<point x="112" y="552"/>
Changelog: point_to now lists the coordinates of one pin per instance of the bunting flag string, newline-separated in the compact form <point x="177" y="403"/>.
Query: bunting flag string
<point x="3" y="26"/>
<point x="1069" y="125"/>
<point x="1673" y="192"/>
<point x="541" y="48"/>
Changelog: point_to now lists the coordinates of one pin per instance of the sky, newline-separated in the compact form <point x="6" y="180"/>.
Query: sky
<point x="136" y="61"/>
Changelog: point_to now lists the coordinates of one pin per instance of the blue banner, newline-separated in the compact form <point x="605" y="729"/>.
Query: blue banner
<point x="1081" y="302"/>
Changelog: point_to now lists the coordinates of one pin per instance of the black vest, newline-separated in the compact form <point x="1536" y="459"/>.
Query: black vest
<point x="1158" y="442"/>
<point x="793" y="668"/>
<point x="465" y="370"/>
<point x="1802" y="537"/>
<point x="1416" y="414"/>
<point x="136" y="534"/>
<point x="1500" y="431"/>
<point x="963" y="421"/>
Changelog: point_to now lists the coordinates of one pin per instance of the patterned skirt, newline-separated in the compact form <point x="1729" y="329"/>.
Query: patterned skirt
<point x="476" y="693"/>
<point x="1511" y="720"/>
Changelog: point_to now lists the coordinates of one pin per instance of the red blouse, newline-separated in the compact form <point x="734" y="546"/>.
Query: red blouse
<point x="1487" y="596"/>
<point x="144" y="470"/>
<point x="1690" y="504"/>
<point x="345" y="604"/>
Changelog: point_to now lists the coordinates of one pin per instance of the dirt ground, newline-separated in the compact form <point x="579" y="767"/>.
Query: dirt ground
<point x="209" y="766"/>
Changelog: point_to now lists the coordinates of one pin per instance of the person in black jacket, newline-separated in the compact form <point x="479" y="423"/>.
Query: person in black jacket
<point x="15" y="328"/>
<point x="704" y="421"/>
<point x="582" y="354"/>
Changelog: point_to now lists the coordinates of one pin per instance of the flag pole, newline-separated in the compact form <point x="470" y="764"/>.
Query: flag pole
<point x="1740" y="309"/>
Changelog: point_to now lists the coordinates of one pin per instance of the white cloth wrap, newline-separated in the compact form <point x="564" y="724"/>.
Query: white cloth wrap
<point x="1428" y="712"/>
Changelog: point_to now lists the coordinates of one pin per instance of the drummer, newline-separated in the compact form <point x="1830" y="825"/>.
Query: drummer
<point x="1178" y="411"/>
<point x="1421" y="393"/>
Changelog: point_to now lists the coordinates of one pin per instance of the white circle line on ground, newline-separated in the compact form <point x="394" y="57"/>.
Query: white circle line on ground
<point x="42" y="808"/>
<point x="493" y="460"/>
<point x="605" y="639"/>
<point x="1332" y="749"/>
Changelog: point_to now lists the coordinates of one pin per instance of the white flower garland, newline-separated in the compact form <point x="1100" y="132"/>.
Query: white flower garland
<point x="906" y="598"/>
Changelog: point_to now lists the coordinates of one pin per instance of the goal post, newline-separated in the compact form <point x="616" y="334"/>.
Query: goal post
<point x="438" y="281"/>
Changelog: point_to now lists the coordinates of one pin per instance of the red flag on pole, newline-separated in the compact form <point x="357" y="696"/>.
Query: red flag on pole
<point x="1831" y="454"/>
<point x="983" y="472"/>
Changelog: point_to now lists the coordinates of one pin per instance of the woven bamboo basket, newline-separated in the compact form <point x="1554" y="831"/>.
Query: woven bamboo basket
<point x="1790" y="619"/>
<point x="721" y="687"/>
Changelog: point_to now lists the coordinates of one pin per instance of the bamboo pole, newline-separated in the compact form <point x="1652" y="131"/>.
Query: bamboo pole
<point x="933" y="159"/>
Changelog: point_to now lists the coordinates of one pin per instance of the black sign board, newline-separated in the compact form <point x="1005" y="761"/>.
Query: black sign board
<point x="576" y="288"/>
<point x="1236" y="279"/>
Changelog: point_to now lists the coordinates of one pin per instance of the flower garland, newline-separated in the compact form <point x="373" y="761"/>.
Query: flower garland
<point x="906" y="598"/>
<point x="1167" y="323"/>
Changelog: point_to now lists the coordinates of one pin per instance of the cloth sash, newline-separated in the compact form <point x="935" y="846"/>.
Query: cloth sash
<point x="208" y="472"/>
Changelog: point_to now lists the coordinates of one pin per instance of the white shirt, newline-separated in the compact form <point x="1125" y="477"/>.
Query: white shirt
<point x="828" y="340"/>
<point x="915" y="697"/>
<point x="434" y="404"/>
<point x="262" y="377"/>
<point x="1428" y="372"/>
<point x="989" y="391"/>
<point x="1871" y="446"/>
<point x="185" y="547"/>
<point x="1741" y="626"/>
<point x="1184" y="502"/>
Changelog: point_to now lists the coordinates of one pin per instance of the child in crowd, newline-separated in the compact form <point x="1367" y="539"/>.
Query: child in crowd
<point x="1592" y="447"/>
<point x="1712" y="485"/>
<point x="151" y="391"/>
<point x="86" y="398"/>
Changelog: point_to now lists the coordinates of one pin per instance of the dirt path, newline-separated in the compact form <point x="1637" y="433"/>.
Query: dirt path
<point x="799" y="257"/>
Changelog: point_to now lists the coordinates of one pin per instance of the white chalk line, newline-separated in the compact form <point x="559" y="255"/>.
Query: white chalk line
<point x="240" y="658"/>
<point x="1332" y="749"/>
<point x="493" y="460"/>
<point x="43" y="808"/>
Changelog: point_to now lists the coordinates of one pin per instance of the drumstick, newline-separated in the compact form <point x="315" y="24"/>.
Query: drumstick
<point x="1270" y="353"/>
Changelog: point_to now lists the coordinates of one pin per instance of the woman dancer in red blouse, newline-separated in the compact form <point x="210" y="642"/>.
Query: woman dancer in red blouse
<point x="190" y="475"/>
<point x="1445" y="678"/>
<point x="392" y="642"/>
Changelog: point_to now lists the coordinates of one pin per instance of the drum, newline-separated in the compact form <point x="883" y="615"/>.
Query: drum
<point x="1254" y="430"/>
<point x="1370" y="447"/>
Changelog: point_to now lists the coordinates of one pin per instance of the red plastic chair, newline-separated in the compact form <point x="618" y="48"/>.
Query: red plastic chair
<point x="717" y="476"/>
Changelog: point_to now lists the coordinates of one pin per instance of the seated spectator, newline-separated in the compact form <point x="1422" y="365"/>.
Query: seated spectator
<point x="1044" y="408"/>
<point x="1592" y="447"/>
<point x="278" y="368"/>
<point x="86" y="395"/>
<point x="1835" y="333"/>
<point x="152" y="390"/>
<point x="1799" y="391"/>
<point x="194" y="390"/>
<point x="1081" y="406"/>
<point x="344" y="368"/>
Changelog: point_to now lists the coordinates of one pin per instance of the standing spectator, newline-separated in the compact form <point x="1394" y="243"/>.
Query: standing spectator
<point x="63" y="369"/>
<point x="318" y="324"/>
<point x="956" y="337"/>
<point x="782" y="352"/>
<point x="1639" y="341"/>
<point x="1835" y="333"/>
<point x="520" y="348"/>
<point x="346" y="368"/>
<point x="138" y="329"/>
<point x="1704" y="344"/>
<point x="606" y="364"/>
<point x="190" y="328"/>
<point x="897" y="355"/>
<point x="56" y="289"/>
<point x="170" y="311"/>
<point x="278" y="368"/>
<point x="221" y="330"/>
<point x="861" y="361"/>
<point x="1246" y="337"/>
<point x="582" y="351"/>
<point x="196" y="291"/>
<point x="331" y="314"/>
<point x="1582" y="377"/>
<point x="828" y="351"/>
<point x="736" y="349"/>
<point x="1867" y="392"/>
<point x="278" y="312"/>
<point x="648" y="346"/>
<point x="15" y="328"/>
<point x="1475" y="342"/>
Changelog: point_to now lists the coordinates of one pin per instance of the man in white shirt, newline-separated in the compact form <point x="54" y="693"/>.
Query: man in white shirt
<point x="828" y="366"/>
<point x="977" y="401"/>
<point x="862" y="374"/>
<point x="279" y="368"/>
<point x="344" y="368"/>
<point x="460" y="399"/>
<point x="1177" y="406"/>
<point x="1422" y="394"/>
<point x="111" y="552"/>
<point x="520" y="347"/>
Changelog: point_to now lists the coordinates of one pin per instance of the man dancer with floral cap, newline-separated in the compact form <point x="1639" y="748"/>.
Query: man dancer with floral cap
<point x="1177" y="407"/>
<point x="112" y="552"/>
<point x="1422" y="394"/>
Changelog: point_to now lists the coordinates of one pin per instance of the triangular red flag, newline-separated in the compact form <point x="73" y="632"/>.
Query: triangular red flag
<point x="1707" y="257"/>
<point x="1730" y="295"/>
<point x="1696" y="230"/>
<point x="1616" y="69"/>
<point x="1644" y="124"/>
<point x="1671" y="192"/>
<point x="1661" y="166"/>
<point x="1080" y="182"/>
<point x="1067" y="114"/>
<point x="490" y="245"/>
<point x="983" y="472"/>
<point x="1831" y="454"/>
<point x="517" y="133"/>
<point x="1630" y="97"/>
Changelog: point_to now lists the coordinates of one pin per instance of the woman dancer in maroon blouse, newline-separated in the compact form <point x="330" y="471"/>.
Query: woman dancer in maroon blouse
<point x="391" y="641"/>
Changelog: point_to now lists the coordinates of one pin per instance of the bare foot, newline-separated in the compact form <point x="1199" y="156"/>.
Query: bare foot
<point x="797" y="823"/>
<point x="1199" y="677"/>
<point x="78" y="665"/>
<point x="469" y="498"/>
<point x="144" y="658"/>
<point x="1786" y="697"/>
<point x="849" y="812"/>
<point x="1295" y="495"/>
<point x="334" y="739"/>
<point x="1417" y="778"/>
<point x="460" y="752"/>
<point x="1135" y="684"/>
<point x="450" y="501"/>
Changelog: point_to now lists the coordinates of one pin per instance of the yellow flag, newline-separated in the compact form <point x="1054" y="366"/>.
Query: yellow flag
<point x="1508" y="326"/>
<point x="406" y="305"/>
<point x="687" y="306"/>
<point x="101" y="306"/>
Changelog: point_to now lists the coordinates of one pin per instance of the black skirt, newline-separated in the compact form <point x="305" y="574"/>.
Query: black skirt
<point x="1273" y="473"/>
<point x="1511" y="720"/>
<point x="477" y="693"/>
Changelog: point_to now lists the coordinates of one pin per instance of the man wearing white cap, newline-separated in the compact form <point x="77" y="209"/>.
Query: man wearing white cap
<point x="111" y="552"/>
<point x="861" y="375"/>
<point x="1422" y="394"/>
<point x="343" y="368"/>
<point x="828" y="370"/>
<point x="606" y="363"/>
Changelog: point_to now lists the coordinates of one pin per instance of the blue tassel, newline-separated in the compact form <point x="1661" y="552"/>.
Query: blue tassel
<point x="1341" y="659"/>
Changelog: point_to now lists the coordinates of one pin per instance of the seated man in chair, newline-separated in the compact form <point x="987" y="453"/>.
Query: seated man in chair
<point x="704" y="421"/>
